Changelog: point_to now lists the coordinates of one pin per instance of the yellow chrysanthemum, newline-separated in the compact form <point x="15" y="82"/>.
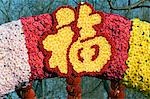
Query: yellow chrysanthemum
<point x="138" y="73"/>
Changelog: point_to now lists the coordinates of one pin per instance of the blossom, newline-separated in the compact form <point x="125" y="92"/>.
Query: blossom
<point x="14" y="66"/>
<point x="116" y="29"/>
<point x="34" y="27"/>
<point x="138" y="73"/>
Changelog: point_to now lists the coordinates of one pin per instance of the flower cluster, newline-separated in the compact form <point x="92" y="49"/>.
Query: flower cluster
<point x="138" y="73"/>
<point x="117" y="30"/>
<point x="34" y="27"/>
<point x="14" y="66"/>
<point x="99" y="42"/>
<point x="66" y="42"/>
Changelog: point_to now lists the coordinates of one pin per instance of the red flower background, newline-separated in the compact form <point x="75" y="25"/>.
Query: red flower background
<point x="115" y="28"/>
<point x="34" y="27"/>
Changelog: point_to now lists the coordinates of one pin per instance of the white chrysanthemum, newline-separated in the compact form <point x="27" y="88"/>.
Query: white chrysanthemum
<point x="14" y="66"/>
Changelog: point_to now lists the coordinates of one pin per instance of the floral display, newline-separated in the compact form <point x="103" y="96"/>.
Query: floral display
<point x="34" y="27"/>
<point x="75" y="42"/>
<point x="95" y="43"/>
<point x="138" y="73"/>
<point x="14" y="66"/>
<point x="77" y="47"/>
